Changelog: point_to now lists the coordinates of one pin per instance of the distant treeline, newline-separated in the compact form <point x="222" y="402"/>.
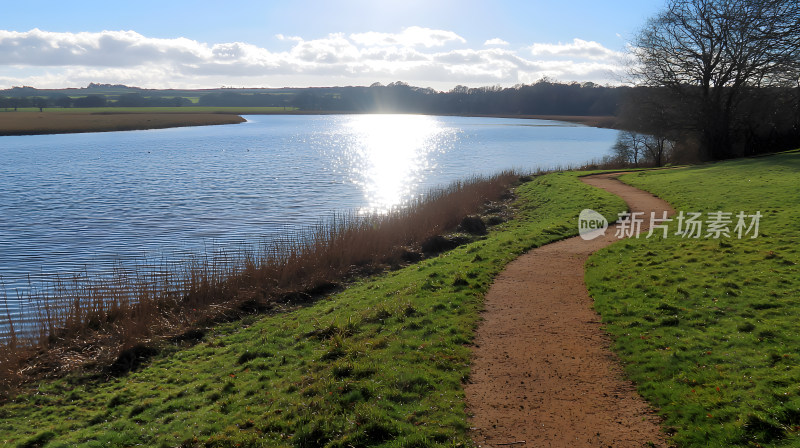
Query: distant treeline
<point x="663" y="127"/>
<point x="667" y="128"/>
<point x="64" y="101"/>
<point x="541" y="98"/>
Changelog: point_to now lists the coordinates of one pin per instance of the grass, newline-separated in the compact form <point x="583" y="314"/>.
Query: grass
<point x="379" y="364"/>
<point x="707" y="327"/>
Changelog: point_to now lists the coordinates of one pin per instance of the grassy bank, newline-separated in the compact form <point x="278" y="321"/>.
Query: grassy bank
<point x="144" y="303"/>
<point x="708" y="327"/>
<point x="379" y="364"/>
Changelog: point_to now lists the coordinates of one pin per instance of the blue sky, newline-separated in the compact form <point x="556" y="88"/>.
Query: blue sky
<point x="428" y="43"/>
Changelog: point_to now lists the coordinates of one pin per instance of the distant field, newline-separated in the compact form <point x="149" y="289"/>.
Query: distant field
<point x="70" y="121"/>
<point x="148" y="110"/>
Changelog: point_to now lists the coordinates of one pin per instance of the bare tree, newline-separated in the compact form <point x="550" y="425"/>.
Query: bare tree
<point x="621" y="151"/>
<point x="629" y="147"/>
<point x="657" y="149"/>
<point x="635" y="148"/>
<point x="711" y="53"/>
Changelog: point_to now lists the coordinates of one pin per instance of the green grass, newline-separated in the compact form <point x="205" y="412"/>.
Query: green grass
<point x="150" y="110"/>
<point x="707" y="328"/>
<point x="380" y="364"/>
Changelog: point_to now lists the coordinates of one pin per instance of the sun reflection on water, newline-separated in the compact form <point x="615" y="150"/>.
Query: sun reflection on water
<point x="389" y="155"/>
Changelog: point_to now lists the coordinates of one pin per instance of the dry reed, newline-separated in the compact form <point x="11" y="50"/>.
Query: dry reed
<point x="33" y="123"/>
<point x="79" y="320"/>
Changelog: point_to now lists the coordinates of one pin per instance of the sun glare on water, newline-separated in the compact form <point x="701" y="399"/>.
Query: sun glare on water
<point x="391" y="153"/>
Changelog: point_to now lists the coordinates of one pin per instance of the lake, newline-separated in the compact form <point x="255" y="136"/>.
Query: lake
<point x="83" y="202"/>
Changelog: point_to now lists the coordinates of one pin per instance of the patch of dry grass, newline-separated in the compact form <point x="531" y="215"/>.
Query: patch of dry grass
<point x="32" y="123"/>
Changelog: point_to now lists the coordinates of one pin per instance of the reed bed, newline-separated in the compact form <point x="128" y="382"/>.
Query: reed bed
<point x="74" y="120"/>
<point x="79" y="321"/>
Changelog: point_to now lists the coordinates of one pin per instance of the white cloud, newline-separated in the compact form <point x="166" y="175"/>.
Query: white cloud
<point x="283" y="37"/>
<point x="104" y="49"/>
<point x="579" y="48"/>
<point x="495" y="41"/>
<point x="410" y="37"/>
<point x="330" y="50"/>
<point x="419" y="56"/>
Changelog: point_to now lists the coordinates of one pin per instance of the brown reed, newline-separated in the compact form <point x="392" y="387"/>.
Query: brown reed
<point x="80" y="320"/>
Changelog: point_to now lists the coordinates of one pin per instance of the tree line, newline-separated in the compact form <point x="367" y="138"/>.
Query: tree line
<point x="545" y="97"/>
<point x="64" y="101"/>
<point x="715" y="79"/>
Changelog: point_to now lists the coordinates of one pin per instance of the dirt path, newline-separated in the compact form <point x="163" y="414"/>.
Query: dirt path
<point x="542" y="370"/>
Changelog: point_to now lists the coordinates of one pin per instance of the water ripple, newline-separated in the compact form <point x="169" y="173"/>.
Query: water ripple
<point x="82" y="202"/>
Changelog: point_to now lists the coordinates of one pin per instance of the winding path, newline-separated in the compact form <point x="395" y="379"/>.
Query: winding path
<point x="543" y="374"/>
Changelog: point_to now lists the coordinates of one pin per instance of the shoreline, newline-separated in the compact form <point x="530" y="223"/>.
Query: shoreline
<point x="354" y="357"/>
<point x="595" y="121"/>
<point x="396" y="351"/>
<point x="49" y="123"/>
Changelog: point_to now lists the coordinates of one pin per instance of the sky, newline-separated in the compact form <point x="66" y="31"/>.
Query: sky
<point x="244" y="43"/>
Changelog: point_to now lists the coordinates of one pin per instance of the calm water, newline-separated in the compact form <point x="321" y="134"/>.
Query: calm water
<point x="83" y="201"/>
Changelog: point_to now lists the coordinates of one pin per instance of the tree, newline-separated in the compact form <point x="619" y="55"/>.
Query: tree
<point x="90" y="101"/>
<point x="40" y="102"/>
<point x="657" y="120"/>
<point x="712" y="54"/>
<point x="629" y="147"/>
<point x="657" y="149"/>
<point x="635" y="148"/>
<point x="180" y="101"/>
<point x="61" y="101"/>
<point x="131" y="100"/>
<point x="17" y="102"/>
